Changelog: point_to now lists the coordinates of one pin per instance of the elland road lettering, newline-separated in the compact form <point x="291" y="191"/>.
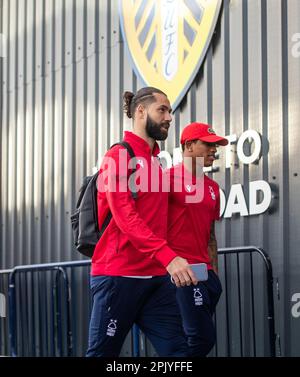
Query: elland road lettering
<point x="255" y="198"/>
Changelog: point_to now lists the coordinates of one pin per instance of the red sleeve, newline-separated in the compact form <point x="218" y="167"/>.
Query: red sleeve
<point x="128" y="220"/>
<point x="217" y="208"/>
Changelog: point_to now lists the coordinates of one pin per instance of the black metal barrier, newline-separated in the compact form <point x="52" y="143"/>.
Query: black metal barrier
<point x="245" y="314"/>
<point x="49" y="308"/>
<point x="41" y="312"/>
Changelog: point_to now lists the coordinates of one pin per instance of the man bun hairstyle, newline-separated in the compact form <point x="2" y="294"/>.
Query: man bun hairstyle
<point x="127" y="99"/>
<point x="143" y="96"/>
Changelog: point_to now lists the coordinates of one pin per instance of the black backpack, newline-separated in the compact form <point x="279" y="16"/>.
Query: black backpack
<point x="84" y="220"/>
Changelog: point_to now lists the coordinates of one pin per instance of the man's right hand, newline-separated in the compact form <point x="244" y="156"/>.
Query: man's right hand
<point x="181" y="273"/>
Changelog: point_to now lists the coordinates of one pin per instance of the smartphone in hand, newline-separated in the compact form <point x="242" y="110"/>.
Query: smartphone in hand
<point x="200" y="271"/>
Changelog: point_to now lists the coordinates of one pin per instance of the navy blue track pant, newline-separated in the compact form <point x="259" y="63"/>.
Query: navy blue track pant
<point x="118" y="302"/>
<point x="197" y="305"/>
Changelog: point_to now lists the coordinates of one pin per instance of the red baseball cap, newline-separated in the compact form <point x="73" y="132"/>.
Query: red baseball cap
<point x="203" y="132"/>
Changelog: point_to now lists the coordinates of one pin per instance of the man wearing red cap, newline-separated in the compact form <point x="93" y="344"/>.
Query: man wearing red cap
<point x="191" y="232"/>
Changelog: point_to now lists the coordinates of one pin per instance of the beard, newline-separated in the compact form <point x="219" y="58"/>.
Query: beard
<point x="156" y="130"/>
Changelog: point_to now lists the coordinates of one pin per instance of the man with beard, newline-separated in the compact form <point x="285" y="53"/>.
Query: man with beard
<point x="129" y="280"/>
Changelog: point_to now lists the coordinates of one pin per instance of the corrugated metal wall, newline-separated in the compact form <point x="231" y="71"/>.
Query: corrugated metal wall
<point x="62" y="81"/>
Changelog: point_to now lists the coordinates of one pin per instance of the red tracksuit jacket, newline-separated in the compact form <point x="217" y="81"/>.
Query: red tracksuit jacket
<point x="134" y="243"/>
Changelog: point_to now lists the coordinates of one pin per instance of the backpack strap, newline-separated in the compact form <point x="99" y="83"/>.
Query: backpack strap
<point x="134" y="194"/>
<point x="128" y="147"/>
<point x="105" y="223"/>
<point x="132" y="156"/>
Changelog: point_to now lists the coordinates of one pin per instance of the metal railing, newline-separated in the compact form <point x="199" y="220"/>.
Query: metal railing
<point x="258" y="310"/>
<point x="40" y="306"/>
<point x="49" y="308"/>
<point x="245" y="313"/>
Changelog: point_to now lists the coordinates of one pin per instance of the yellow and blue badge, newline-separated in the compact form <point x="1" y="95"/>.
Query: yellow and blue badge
<point x="168" y="39"/>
